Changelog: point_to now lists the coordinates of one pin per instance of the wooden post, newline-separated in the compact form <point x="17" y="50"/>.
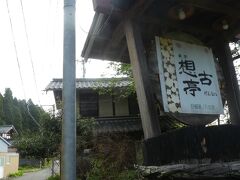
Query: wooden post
<point x="150" y="122"/>
<point x="232" y="89"/>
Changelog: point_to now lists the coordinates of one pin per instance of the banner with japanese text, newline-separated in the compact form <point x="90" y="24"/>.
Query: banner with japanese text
<point x="188" y="78"/>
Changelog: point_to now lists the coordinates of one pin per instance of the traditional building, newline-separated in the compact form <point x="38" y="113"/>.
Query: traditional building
<point x="173" y="46"/>
<point x="112" y="111"/>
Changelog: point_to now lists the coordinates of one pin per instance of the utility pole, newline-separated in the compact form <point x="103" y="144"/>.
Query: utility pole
<point x="68" y="155"/>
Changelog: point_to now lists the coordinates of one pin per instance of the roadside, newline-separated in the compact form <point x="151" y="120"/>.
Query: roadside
<point x="38" y="175"/>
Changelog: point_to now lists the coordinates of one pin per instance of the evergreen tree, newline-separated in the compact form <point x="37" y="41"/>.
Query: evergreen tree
<point x="1" y="110"/>
<point x="25" y="116"/>
<point x="8" y="106"/>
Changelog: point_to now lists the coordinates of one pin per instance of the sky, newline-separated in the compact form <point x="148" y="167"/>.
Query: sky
<point x="44" y="26"/>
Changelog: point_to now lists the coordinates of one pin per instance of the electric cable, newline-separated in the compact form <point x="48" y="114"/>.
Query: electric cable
<point x="19" y="69"/>
<point x="29" y="113"/>
<point x="29" y="51"/>
<point x="15" y="49"/>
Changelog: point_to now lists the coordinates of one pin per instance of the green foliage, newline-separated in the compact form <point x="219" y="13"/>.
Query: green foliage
<point x="33" y="141"/>
<point x="55" y="177"/>
<point x="122" y="70"/>
<point x="43" y="143"/>
<point x="111" y="156"/>
<point x="15" y="112"/>
<point x="128" y="174"/>
<point x="16" y="174"/>
<point x="85" y="134"/>
<point x="99" y="171"/>
<point x="27" y="168"/>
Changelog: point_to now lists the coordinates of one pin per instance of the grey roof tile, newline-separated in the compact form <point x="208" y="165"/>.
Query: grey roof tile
<point x="88" y="83"/>
<point x="7" y="128"/>
<point x="121" y="125"/>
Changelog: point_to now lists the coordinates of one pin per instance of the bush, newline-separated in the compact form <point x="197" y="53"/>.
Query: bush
<point x="99" y="171"/>
<point x="55" y="177"/>
<point x="111" y="156"/>
<point x="27" y="168"/>
<point x="128" y="175"/>
<point x="118" y="150"/>
<point x="16" y="174"/>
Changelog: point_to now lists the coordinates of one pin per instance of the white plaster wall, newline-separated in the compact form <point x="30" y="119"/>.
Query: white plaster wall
<point x="121" y="107"/>
<point x="105" y="106"/>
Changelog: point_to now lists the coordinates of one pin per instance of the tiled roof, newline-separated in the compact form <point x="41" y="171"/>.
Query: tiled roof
<point x="5" y="141"/>
<point x="120" y="125"/>
<point x="131" y="124"/>
<point x="86" y="83"/>
<point x="7" y="128"/>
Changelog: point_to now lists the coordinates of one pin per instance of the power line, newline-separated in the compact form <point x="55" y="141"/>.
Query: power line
<point x="19" y="69"/>
<point x="29" y="113"/>
<point x="15" y="49"/>
<point x="29" y="51"/>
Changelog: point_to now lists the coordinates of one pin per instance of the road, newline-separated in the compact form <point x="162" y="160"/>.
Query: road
<point x="38" y="175"/>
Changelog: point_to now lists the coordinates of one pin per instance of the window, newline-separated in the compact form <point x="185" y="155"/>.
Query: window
<point x="88" y="104"/>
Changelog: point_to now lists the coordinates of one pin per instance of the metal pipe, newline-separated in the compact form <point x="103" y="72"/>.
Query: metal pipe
<point x="68" y="168"/>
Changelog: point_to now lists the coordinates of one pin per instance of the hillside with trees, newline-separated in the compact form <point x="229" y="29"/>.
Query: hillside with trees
<point x="39" y="133"/>
<point x="24" y="115"/>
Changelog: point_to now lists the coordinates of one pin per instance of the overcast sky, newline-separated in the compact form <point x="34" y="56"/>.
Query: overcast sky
<point x="44" y="22"/>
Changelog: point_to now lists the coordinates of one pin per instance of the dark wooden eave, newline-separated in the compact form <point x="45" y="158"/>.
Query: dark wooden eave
<point x="106" y="39"/>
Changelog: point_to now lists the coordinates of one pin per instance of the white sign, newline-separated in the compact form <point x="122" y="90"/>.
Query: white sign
<point x="188" y="78"/>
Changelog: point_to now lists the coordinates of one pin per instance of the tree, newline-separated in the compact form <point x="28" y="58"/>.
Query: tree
<point x="8" y="106"/>
<point x="1" y="110"/>
<point x="41" y="144"/>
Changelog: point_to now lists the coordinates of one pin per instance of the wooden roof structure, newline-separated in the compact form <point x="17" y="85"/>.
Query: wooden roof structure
<point x="206" y="20"/>
<point x="124" y="31"/>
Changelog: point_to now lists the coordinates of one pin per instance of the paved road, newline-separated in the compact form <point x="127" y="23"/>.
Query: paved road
<point x="39" y="175"/>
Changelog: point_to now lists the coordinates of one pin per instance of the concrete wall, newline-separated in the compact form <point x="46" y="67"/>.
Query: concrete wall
<point x="11" y="162"/>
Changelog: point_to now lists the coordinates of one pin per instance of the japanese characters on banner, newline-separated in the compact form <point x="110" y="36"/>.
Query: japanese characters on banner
<point x="188" y="78"/>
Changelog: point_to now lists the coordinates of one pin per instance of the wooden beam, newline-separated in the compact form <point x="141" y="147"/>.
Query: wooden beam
<point x="213" y="6"/>
<point x="137" y="10"/>
<point x="233" y="34"/>
<point x="150" y="123"/>
<point x="232" y="89"/>
<point x="193" y="171"/>
<point x="98" y="19"/>
<point x="176" y="24"/>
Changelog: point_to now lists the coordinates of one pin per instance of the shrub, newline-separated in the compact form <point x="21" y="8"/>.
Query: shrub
<point x="16" y="174"/>
<point x="118" y="150"/>
<point x="55" y="177"/>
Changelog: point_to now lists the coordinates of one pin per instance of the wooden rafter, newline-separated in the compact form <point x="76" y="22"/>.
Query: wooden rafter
<point x="137" y="10"/>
